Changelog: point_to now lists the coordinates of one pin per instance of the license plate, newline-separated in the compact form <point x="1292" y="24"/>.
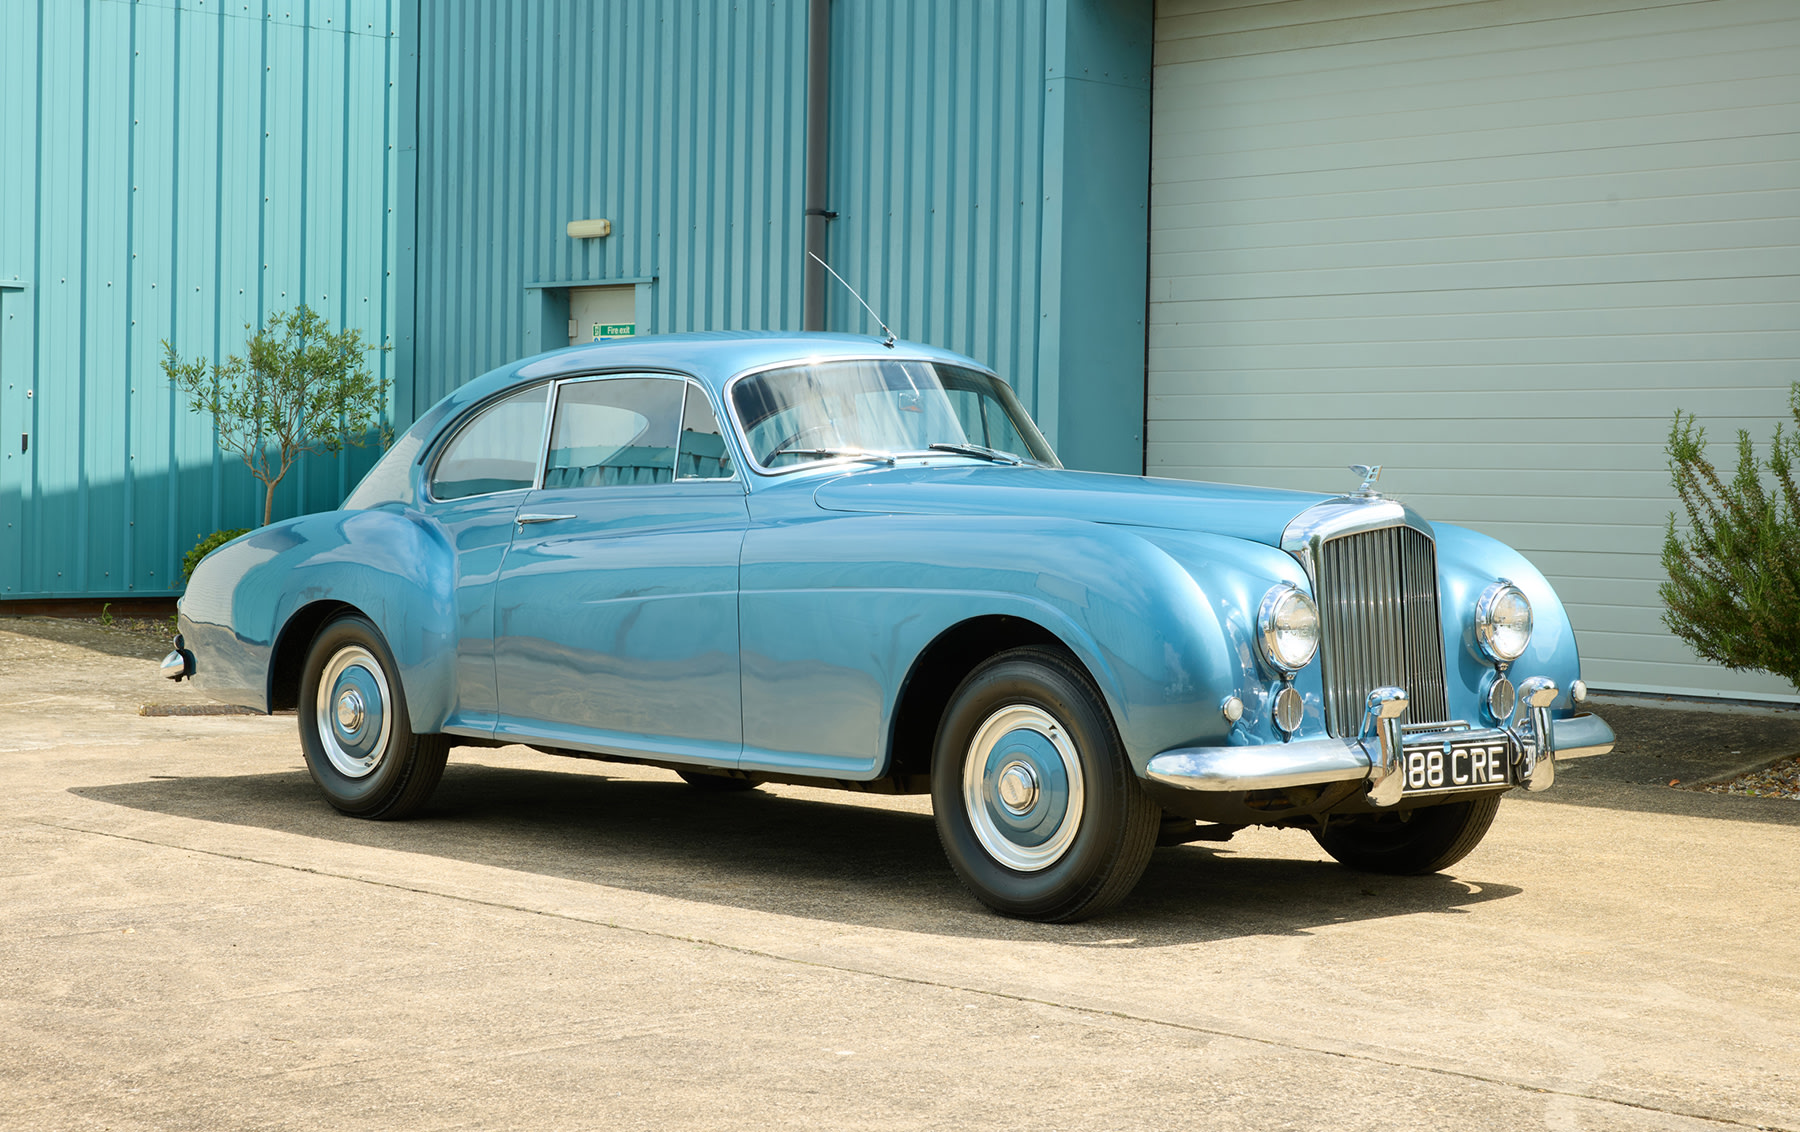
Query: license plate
<point x="1448" y="765"/>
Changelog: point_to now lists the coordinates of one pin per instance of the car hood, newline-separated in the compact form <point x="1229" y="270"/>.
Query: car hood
<point x="1256" y="513"/>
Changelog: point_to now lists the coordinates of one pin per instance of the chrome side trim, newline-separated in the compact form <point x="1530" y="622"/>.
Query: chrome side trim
<point x="1581" y="736"/>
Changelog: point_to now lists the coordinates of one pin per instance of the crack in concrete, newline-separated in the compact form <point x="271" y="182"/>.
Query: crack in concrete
<point x="1143" y="1019"/>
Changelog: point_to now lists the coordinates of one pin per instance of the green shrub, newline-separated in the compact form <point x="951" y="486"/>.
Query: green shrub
<point x="205" y="547"/>
<point x="302" y="388"/>
<point x="1734" y="575"/>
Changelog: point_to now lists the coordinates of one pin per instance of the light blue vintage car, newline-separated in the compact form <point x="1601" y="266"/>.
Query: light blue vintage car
<point x="831" y="560"/>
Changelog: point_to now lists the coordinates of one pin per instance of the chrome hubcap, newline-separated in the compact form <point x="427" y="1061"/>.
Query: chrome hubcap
<point x="1018" y="787"/>
<point x="353" y="712"/>
<point x="350" y="710"/>
<point x="1023" y="788"/>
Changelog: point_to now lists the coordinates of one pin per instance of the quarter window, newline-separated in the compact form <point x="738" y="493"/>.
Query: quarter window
<point x="703" y="455"/>
<point x="614" y="431"/>
<point x="497" y="451"/>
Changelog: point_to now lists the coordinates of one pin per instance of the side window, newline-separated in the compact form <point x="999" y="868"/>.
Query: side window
<point x="497" y="451"/>
<point x="702" y="454"/>
<point x="613" y="431"/>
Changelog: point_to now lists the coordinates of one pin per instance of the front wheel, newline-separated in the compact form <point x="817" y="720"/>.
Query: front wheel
<point x="1411" y="843"/>
<point x="354" y="730"/>
<point x="1037" y="806"/>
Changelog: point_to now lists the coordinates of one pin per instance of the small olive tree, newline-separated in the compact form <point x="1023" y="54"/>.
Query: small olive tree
<point x="1734" y="575"/>
<point x="302" y="388"/>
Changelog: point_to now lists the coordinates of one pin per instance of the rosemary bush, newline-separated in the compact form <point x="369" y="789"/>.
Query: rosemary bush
<point x="1734" y="575"/>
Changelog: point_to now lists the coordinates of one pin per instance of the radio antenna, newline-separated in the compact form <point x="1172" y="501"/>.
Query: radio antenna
<point x="889" y="342"/>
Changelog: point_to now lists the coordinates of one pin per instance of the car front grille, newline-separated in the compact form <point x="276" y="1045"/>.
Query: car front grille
<point x="1377" y="594"/>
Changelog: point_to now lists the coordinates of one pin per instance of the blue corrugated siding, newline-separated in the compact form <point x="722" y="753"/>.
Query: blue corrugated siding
<point x="937" y="158"/>
<point x="168" y="170"/>
<point x="408" y="167"/>
<point x="684" y="124"/>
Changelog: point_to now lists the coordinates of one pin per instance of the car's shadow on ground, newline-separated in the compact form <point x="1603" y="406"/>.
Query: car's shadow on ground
<point x="840" y="862"/>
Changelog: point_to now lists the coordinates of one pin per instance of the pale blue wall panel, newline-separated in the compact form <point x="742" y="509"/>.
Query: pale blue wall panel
<point x="156" y="156"/>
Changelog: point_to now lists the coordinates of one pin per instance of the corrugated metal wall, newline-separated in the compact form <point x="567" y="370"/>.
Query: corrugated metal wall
<point x="937" y="176"/>
<point x="681" y="123"/>
<point x="1493" y="247"/>
<point x="684" y="124"/>
<point x="169" y="169"/>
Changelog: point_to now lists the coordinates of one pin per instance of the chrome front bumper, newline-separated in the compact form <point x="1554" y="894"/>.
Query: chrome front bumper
<point x="1378" y="757"/>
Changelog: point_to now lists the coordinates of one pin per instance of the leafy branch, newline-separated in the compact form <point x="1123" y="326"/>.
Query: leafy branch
<point x="302" y="388"/>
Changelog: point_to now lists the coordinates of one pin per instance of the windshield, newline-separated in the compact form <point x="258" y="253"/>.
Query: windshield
<point x="861" y="409"/>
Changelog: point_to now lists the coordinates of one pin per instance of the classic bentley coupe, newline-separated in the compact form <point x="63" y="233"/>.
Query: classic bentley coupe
<point x="838" y="561"/>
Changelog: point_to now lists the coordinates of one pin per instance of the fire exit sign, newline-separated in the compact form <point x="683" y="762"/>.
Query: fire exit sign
<point x="614" y="330"/>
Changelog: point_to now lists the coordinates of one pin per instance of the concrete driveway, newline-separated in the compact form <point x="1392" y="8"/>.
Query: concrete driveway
<point x="190" y="938"/>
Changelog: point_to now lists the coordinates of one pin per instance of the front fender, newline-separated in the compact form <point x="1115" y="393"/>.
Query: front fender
<point x="1469" y="562"/>
<point x="391" y="565"/>
<point x="836" y="612"/>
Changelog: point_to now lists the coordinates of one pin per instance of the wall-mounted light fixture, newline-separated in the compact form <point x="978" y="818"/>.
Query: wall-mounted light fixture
<point x="589" y="229"/>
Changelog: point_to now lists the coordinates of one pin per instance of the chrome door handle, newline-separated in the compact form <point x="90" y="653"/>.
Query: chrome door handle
<point x="523" y="519"/>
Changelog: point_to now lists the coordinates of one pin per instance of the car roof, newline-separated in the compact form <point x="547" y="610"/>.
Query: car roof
<point x="713" y="357"/>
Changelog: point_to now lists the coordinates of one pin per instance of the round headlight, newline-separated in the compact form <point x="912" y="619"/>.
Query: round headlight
<point x="1503" y="621"/>
<point x="1288" y="627"/>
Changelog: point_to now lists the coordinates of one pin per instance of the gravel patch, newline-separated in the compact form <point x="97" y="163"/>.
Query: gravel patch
<point x="1779" y="781"/>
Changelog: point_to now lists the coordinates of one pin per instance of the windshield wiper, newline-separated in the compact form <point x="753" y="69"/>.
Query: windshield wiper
<point x="842" y="453"/>
<point x="979" y="451"/>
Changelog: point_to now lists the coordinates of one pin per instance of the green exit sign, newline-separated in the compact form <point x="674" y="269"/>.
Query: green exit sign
<point x="614" y="330"/>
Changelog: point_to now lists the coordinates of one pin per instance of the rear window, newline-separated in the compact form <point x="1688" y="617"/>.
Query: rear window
<point x="496" y="451"/>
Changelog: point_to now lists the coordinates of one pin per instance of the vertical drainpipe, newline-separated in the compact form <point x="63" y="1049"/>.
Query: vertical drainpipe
<point x="818" y="93"/>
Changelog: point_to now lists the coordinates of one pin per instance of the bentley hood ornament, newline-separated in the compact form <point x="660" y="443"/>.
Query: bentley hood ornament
<point x="1369" y="473"/>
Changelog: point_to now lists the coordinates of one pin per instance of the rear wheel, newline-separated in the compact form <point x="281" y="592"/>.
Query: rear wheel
<point x="354" y="730"/>
<point x="1037" y="806"/>
<point x="1410" y="843"/>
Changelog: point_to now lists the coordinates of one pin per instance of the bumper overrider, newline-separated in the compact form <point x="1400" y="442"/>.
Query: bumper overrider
<point x="1532" y="744"/>
<point x="179" y="664"/>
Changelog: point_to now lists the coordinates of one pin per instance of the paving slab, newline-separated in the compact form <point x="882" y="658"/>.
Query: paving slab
<point x="191" y="938"/>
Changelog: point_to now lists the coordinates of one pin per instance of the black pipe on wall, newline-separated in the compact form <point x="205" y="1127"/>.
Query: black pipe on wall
<point x="818" y="95"/>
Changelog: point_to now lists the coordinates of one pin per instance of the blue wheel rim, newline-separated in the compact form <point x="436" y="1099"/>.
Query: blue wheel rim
<point x="354" y="712"/>
<point x="1023" y="788"/>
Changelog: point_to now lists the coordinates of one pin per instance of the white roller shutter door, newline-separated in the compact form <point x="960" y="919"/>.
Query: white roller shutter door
<point x="1492" y="246"/>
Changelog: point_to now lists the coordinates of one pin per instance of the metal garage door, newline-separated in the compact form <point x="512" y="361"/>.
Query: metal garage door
<point x="1492" y="246"/>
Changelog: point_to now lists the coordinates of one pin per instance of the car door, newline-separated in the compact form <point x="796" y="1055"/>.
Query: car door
<point x="477" y="483"/>
<point x="617" y="603"/>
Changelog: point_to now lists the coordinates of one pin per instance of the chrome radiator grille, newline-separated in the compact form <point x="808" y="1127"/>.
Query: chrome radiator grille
<point x="1377" y="594"/>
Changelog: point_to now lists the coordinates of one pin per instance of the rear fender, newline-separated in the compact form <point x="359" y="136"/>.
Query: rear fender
<point x="393" y="568"/>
